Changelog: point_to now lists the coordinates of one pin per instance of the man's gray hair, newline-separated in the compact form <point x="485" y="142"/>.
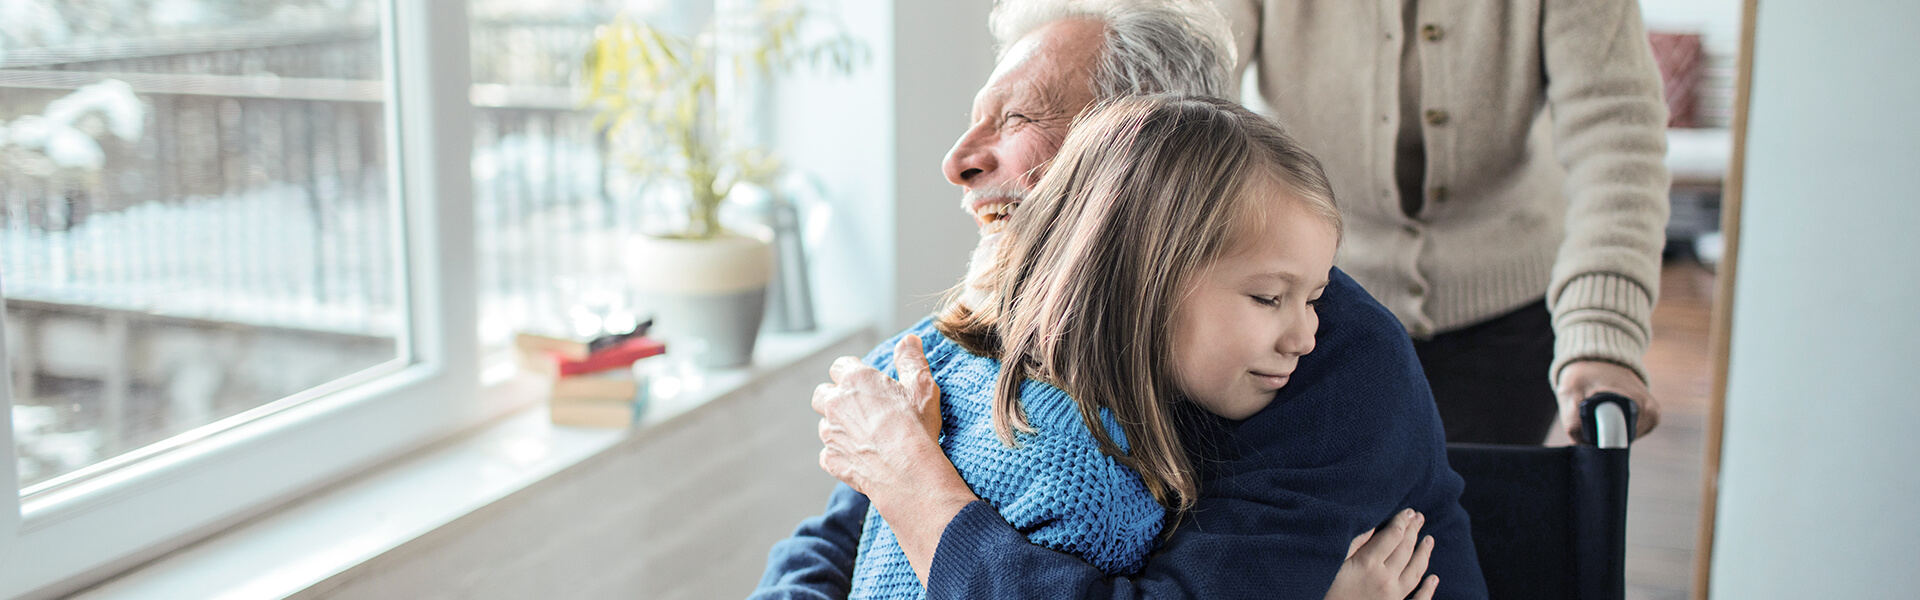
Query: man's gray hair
<point x="1151" y="47"/>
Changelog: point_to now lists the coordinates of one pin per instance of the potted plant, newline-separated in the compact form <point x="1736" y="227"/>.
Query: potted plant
<point x="655" y="95"/>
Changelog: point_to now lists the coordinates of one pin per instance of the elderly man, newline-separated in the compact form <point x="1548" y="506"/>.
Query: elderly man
<point x="1353" y="439"/>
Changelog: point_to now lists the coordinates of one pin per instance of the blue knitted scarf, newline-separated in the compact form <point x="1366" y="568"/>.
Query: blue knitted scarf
<point x="1055" y="486"/>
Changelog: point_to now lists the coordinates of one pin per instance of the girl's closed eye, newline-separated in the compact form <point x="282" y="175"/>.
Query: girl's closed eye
<point x="1275" y="300"/>
<point x="1319" y="296"/>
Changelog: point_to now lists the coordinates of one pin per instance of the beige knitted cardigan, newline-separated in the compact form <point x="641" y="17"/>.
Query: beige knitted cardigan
<point x="1544" y="132"/>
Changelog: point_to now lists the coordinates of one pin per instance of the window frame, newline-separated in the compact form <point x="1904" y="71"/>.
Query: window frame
<point x="71" y="537"/>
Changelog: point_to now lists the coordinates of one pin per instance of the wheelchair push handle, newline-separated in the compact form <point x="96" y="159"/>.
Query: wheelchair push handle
<point x="1608" y="419"/>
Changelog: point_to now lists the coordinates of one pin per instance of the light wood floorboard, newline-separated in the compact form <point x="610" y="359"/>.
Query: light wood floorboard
<point x="1663" y="502"/>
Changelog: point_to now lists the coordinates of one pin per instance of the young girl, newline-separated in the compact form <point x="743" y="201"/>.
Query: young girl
<point x="1172" y="253"/>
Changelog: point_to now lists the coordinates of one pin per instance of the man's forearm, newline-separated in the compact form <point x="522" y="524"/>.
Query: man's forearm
<point x="919" y="511"/>
<point x="982" y="556"/>
<point x="1249" y="557"/>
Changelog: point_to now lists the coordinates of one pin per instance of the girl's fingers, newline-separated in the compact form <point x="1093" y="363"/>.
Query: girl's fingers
<point x="1426" y="588"/>
<point x="1418" y="566"/>
<point x="1358" y="541"/>
<point x="1403" y="551"/>
<point x="1386" y="540"/>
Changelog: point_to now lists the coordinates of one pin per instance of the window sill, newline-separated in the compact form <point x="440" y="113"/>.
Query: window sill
<point x="354" y="524"/>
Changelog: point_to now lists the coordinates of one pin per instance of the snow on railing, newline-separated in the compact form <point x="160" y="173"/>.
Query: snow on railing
<point x="263" y="200"/>
<point x="262" y="257"/>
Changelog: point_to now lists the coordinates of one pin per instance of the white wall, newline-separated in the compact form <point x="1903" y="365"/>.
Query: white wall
<point x="944" y="55"/>
<point x="877" y="138"/>
<point x="840" y="129"/>
<point x="1819" y="483"/>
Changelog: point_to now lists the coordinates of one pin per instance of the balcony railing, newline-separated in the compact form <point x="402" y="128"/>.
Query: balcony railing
<point x="263" y="199"/>
<point x="242" y="246"/>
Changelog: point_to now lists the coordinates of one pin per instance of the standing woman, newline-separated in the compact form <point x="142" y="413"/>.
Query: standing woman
<point x="1501" y="165"/>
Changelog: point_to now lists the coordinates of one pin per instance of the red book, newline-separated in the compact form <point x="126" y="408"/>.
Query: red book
<point x="613" y="358"/>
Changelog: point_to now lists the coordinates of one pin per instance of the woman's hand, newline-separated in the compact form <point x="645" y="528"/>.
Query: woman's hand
<point x="882" y="437"/>
<point x="1582" y="379"/>
<point x="1387" y="564"/>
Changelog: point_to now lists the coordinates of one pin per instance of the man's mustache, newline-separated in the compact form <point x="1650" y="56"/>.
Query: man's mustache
<point x="977" y="195"/>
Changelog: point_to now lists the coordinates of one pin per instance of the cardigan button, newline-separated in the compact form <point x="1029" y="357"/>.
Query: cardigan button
<point x="1436" y="117"/>
<point x="1431" y="32"/>
<point x="1420" y="331"/>
<point x="1439" y="194"/>
<point x="1416" y="289"/>
<point x="1412" y="230"/>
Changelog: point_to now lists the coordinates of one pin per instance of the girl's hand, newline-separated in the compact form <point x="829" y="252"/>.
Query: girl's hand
<point x="1387" y="564"/>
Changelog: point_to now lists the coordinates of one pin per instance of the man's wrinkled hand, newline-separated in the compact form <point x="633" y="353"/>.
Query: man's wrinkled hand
<point x="1580" y="380"/>
<point x="882" y="438"/>
<point x="874" y="428"/>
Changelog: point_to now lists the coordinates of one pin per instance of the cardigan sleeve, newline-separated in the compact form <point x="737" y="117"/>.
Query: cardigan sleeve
<point x="1351" y="440"/>
<point x="816" y="562"/>
<point x="1609" y="123"/>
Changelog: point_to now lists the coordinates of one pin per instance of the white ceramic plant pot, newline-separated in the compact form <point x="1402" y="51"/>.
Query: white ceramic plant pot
<point x="708" y="296"/>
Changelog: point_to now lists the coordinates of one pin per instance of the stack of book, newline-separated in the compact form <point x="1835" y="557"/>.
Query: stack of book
<point x="594" y="383"/>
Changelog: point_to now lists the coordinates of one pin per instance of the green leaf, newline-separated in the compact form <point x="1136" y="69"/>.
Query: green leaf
<point x="652" y="93"/>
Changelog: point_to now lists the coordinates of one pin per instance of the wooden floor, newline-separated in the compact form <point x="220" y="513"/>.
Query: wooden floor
<point x="1663" y="502"/>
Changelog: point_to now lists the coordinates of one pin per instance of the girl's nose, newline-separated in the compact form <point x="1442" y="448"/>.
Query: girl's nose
<point x="1297" y="338"/>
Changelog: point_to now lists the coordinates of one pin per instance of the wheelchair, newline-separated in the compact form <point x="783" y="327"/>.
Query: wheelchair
<point x="1551" y="523"/>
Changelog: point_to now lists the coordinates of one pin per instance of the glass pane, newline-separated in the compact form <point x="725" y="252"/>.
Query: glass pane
<point x="197" y="221"/>
<point x="548" y="209"/>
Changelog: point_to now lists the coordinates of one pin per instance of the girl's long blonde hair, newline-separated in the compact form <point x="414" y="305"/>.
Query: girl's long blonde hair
<point x="1145" y="192"/>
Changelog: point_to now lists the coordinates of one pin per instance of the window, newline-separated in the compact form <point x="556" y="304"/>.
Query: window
<point x="193" y="230"/>
<point x="244" y="244"/>
<point x="237" y="262"/>
<point x="548" y="217"/>
<point x="553" y="214"/>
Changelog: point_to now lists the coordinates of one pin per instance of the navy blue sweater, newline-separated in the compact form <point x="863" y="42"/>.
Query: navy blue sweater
<point x="1353" y="438"/>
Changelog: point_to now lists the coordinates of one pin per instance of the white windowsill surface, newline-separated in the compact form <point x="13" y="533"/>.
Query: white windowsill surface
<point x="356" y="522"/>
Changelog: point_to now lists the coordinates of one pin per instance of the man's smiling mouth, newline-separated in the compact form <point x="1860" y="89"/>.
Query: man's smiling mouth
<point x="994" y="215"/>
<point x="992" y="206"/>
